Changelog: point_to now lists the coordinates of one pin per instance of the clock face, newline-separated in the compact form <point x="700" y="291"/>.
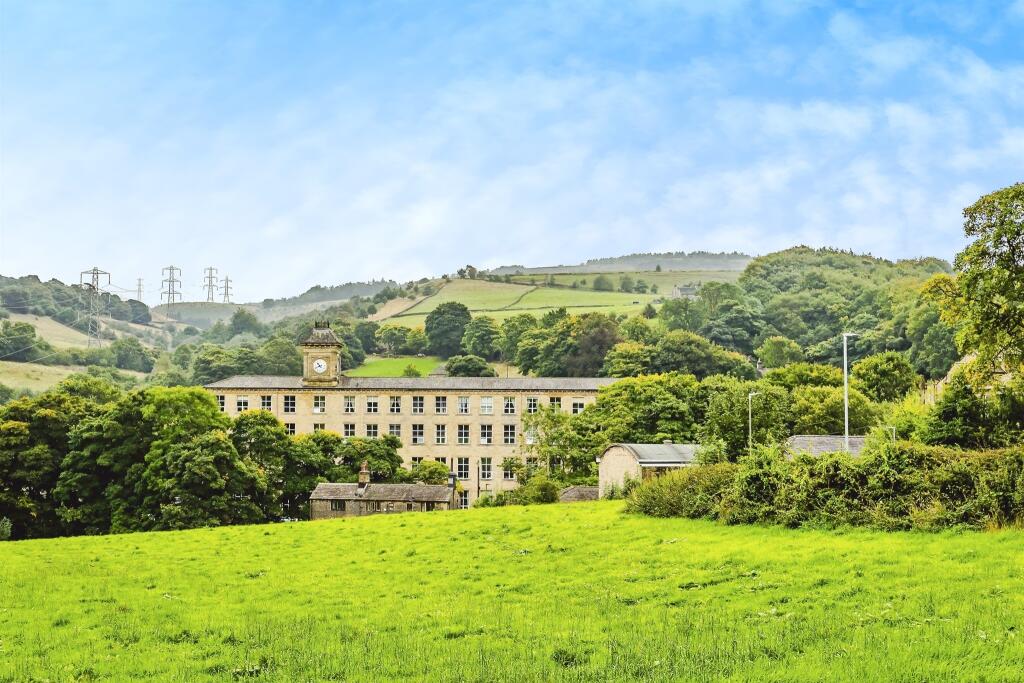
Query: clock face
<point x="319" y="366"/>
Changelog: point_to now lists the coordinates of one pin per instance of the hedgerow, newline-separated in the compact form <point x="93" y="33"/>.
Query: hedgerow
<point x="896" y="486"/>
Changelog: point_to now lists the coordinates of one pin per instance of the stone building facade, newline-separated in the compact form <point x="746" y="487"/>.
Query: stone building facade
<point x="471" y="424"/>
<point x="365" y="498"/>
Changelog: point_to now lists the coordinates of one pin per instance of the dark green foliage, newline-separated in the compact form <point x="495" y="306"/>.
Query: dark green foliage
<point x="445" y="327"/>
<point x="819" y="410"/>
<point x="603" y="283"/>
<point x="430" y="472"/>
<point x="366" y="331"/>
<point x="895" y="486"/>
<point x="805" y="374"/>
<point x="65" y="303"/>
<point x="130" y="354"/>
<point x="469" y="366"/>
<point x="885" y="376"/>
<point x="482" y="338"/>
<point x="567" y="345"/>
<point x="961" y="417"/>
<point x="18" y="342"/>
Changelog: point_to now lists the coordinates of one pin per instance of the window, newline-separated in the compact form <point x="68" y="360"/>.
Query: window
<point x="417" y="405"/>
<point x="463" y="500"/>
<point x="441" y="405"/>
<point x="440" y="434"/>
<point x="266" y="402"/>
<point x="319" y="404"/>
<point x="462" y="438"/>
<point x="318" y="426"/>
<point x="220" y="402"/>
<point x="486" y="405"/>
<point x="486" y="435"/>
<point x="416" y="460"/>
<point x="531" y="404"/>
<point x="337" y="506"/>
<point x="242" y="403"/>
<point x="510" y="405"/>
<point x="371" y="404"/>
<point x="417" y="434"/>
<point x="510" y="434"/>
<point x="577" y="406"/>
<point x="350" y="404"/>
<point x="396" y="405"/>
<point x="395" y="429"/>
<point x="462" y="468"/>
<point x="555" y="402"/>
<point x="507" y="472"/>
<point x="348" y="429"/>
<point x="371" y="431"/>
<point x="289" y="404"/>
<point x="443" y="461"/>
<point x="289" y="428"/>
<point x="463" y="405"/>
<point x="530" y="435"/>
<point x="485" y="468"/>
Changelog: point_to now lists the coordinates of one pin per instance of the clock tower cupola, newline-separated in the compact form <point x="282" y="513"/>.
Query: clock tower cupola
<point x="320" y="354"/>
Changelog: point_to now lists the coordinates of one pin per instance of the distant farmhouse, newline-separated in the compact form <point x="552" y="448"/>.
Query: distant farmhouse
<point x="364" y="498"/>
<point x="474" y="425"/>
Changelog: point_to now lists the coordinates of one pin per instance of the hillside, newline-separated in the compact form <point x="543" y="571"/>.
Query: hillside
<point x="500" y="300"/>
<point x="678" y="260"/>
<point x="563" y="592"/>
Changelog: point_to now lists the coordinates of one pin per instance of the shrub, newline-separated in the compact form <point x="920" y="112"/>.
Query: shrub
<point x="694" y="492"/>
<point x="5" y="529"/>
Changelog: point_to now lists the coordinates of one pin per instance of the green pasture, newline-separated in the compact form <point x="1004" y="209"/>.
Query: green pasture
<point x="34" y="376"/>
<point x="380" y="366"/>
<point x="571" y="592"/>
<point x="665" y="279"/>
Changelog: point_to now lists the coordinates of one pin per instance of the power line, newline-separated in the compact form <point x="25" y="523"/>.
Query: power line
<point x="227" y="289"/>
<point x="210" y="283"/>
<point x="171" y="293"/>
<point x="94" y="301"/>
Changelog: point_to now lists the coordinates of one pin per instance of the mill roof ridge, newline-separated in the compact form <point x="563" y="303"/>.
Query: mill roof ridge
<point x="413" y="383"/>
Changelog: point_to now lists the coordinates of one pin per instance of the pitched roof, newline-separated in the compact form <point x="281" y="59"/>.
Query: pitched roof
<point x="660" y="454"/>
<point x="574" y="494"/>
<point x="322" y="335"/>
<point x="432" y="383"/>
<point x="419" y="493"/>
<point x="818" y="444"/>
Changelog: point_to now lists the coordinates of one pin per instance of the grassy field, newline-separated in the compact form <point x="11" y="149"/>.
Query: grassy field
<point x="33" y="376"/>
<point x="379" y="366"/>
<point x="500" y="301"/>
<point x="665" y="279"/>
<point x="60" y="335"/>
<point x="575" y="592"/>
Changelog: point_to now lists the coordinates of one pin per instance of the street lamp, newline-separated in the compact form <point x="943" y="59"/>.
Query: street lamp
<point x="846" y="394"/>
<point x="750" y="421"/>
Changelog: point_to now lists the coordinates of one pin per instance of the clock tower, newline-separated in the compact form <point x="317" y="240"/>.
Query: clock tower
<point x="320" y="354"/>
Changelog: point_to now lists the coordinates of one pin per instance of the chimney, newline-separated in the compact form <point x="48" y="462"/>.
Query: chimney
<point x="364" y="474"/>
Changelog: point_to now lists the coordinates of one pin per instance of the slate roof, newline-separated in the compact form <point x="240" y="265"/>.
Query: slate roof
<point x="575" y="494"/>
<point x="661" y="454"/>
<point x="431" y="383"/>
<point x="815" y="444"/>
<point x="411" y="493"/>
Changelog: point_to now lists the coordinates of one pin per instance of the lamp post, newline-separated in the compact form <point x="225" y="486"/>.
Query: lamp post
<point x="750" y="421"/>
<point x="846" y="394"/>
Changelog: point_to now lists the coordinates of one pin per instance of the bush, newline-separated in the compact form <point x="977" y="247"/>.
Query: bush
<point x="694" y="492"/>
<point x="5" y="529"/>
<point x="897" y="486"/>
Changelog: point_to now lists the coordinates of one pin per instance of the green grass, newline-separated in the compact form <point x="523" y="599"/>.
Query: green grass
<point x="58" y="334"/>
<point x="501" y="301"/>
<point x="378" y="366"/>
<point x="665" y="279"/>
<point x="33" y="376"/>
<point x="575" y="592"/>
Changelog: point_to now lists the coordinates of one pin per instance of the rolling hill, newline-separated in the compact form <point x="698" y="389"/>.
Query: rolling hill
<point x="570" y="592"/>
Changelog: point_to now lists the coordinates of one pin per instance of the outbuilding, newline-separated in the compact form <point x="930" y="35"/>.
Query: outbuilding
<point x="624" y="461"/>
<point x="330" y="500"/>
<point x="819" y="444"/>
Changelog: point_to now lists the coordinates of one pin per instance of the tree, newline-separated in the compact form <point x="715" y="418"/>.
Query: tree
<point x="682" y="351"/>
<point x="985" y="301"/>
<point x="430" y="472"/>
<point x="932" y="342"/>
<point x="512" y="330"/>
<point x="681" y="314"/>
<point x="629" y="359"/>
<point x="243" y="320"/>
<point x="482" y="337"/>
<point x="411" y="370"/>
<point x="777" y="351"/>
<point x="819" y="410"/>
<point x="391" y="338"/>
<point x="260" y="439"/>
<point x="182" y="356"/>
<point x="649" y="311"/>
<point x="637" y="329"/>
<point x="627" y="284"/>
<point x="603" y="283"/>
<point x="366" y="331"/>
<point x="416" y="342"/>
<point x="726" y="416"/>
<point x="805" y="374"/>
<point x="469" y="366"/>
<point x="885" y="376"/>
<point x="278" y="356"/>
<point x="212" y="363"/>
<point x="960" y="417"/>
<point x="445" y="326"/>
<point x="18" y="341"/>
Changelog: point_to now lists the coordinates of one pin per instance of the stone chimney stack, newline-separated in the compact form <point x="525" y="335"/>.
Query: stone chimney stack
<point x="364" y="474"/>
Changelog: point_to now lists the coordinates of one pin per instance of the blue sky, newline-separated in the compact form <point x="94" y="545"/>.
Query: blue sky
<point x="291" y="144"/>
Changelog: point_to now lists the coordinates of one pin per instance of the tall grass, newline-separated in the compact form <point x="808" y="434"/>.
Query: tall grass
<point x="574" y="592"/>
